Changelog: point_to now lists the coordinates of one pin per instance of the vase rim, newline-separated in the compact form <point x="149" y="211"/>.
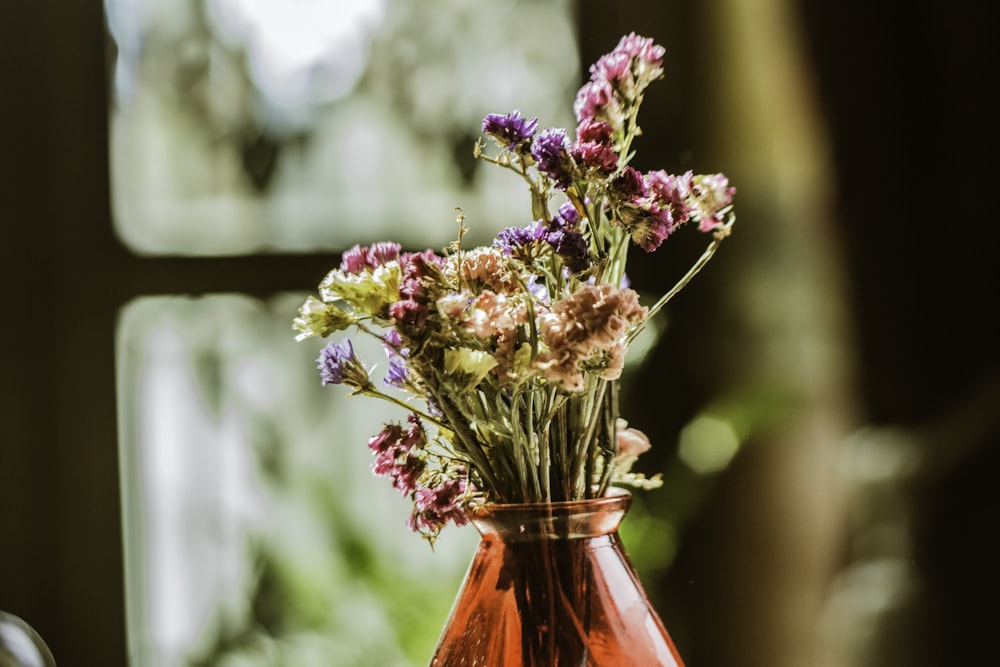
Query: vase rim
<point x="569" y="519"/>
<point x="613" y="496"/>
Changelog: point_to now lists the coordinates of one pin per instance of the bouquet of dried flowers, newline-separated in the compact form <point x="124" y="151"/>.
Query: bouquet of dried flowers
<point x="507" y="357"/>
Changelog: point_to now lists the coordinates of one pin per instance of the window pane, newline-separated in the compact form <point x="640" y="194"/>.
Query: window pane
<point x="248" y="502"/>
<point x="243" y="126"/>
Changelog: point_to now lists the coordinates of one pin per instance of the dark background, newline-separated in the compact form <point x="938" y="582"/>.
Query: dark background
<point x="904" y="90"/>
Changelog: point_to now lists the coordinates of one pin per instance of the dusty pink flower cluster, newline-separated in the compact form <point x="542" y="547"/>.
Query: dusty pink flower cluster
<point x="585" y="331"/>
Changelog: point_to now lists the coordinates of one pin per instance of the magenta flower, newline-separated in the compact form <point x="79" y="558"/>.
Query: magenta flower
<point x="409" y="313"/>
<point x="594" y="147"/>
<point x="407" y="474"/>
<point x="414" y="435"/>
<point x="628" y="185"/>
<point x="435" y="507"/>
<point x="396" y="454"/>
<point x="712" y="196"/>
<point x="357" y="259"/>
<point x="649" y="227"/>
<point x="600" y="158"/>
<point x="385" y="440"/>
<point x="612" y="66"/>
<point x="617" y="80"/>
<point x="592" y="100"/>
<point x="642" y="49"/>
<point x="414" y="306"/>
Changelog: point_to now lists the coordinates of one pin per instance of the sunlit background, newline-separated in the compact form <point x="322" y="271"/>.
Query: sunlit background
<point x="242" y="126"/>
<point x="254" y="531"/>
<point x="822" y="400"/>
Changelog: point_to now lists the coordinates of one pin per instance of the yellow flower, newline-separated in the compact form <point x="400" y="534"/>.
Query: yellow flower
<point x="320" y="319"/>
<point x="468" y="367"/>
<point x="371" y="291"/>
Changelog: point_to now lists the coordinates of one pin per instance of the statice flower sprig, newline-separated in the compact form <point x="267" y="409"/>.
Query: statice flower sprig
<point x="506" y="358"/>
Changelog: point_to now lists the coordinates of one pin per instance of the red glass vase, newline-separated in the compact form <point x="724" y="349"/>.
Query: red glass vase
<point x="550" y="585"/>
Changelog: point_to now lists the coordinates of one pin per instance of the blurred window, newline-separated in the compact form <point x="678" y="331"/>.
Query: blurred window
<point x="260" y="127"/>
<point x="245" y="126"/>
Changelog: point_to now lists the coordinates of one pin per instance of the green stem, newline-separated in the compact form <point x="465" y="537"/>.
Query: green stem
<point x="717" y="239"/>
<point x="582" y="464"/>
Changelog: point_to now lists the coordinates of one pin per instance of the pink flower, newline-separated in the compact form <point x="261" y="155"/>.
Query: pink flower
<point x="631" y="441"/>
<point x="641" y="48"/>
<point x="593" y="99"/>
<point x="357" y="259"/>
<point x="618" y="78"/>
<point x="612" y="362"/>
<point x="396" y="454"/>
<point x="585" y="332"/>
<point x="490" y="315"/>
<point x="487" y="268"/>
<point x="712" y="195"/>
<point x="612" y="66"/>
<point x="435" y="507"/>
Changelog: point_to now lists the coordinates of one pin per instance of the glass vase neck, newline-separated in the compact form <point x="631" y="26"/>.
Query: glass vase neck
<point x="567" y="520"/>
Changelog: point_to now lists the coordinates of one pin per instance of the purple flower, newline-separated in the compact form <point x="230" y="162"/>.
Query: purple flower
<point x="540" y="237"/>
<point x="398" y="372"/>
<point x="433" y="409"/>
<point x="392" y="343"/>
<point x="510" y="130"/>
<point x="540" y="291"/>
<point x="572" y="247"/>
<point x="551" y="150"/>
<point x="566" y="217"/>
<point x="513" y="239"/>
<point x="337" y="364"/>
<point x="392" y="339"/>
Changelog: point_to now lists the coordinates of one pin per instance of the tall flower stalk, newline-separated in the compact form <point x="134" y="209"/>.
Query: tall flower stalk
<point x="507" y="357"/>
